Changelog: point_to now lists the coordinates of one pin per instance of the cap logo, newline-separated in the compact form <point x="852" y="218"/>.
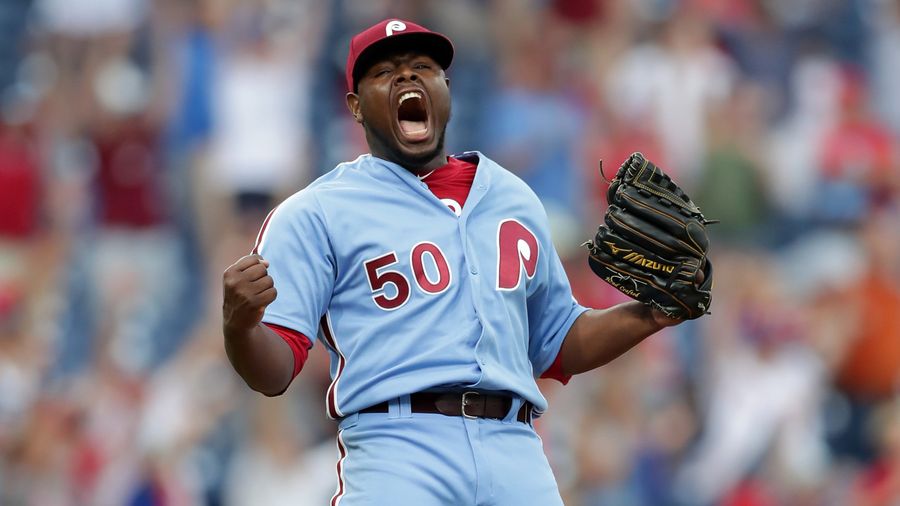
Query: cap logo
<point x="394" y="26"/>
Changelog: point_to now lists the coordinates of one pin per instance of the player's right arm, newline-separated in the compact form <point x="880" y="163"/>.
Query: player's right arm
<point x="259" y="355"/>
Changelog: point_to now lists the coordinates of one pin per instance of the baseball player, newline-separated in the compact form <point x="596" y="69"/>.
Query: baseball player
<point x="433" y="284"/>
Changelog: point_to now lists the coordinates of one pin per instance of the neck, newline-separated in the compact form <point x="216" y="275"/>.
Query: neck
<point x="438" y="161"/>
<point x="417" y="166"/>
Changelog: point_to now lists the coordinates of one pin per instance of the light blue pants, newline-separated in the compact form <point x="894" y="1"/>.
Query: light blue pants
<point x="401" y="458"/>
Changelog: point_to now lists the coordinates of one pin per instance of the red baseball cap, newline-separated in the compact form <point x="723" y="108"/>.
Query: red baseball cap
<point x="395" y="31"/>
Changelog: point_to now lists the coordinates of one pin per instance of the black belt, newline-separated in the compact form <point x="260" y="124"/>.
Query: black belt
<point x="468" y="404"/>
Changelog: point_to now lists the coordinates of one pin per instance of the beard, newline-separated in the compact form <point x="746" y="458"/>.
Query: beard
<point x="395" y="153"/>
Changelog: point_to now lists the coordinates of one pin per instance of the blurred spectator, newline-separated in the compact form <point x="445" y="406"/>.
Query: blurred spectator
<point x="134" y="216"/>
<point x="871" y="367"/>
<point x="20" y="182"/>
<point x="763" y="49"/>
<point x="794" y="143"/>
<point x="186" y="32"/>
<point x="23" y="362"/>
<point x="672" y="82"/>
<point x="187" y="421"/>
<point x="607" y="449"/>
<point x="37" y="456"/>
<point x="278" y="465"/>
<point x="535" y="129"/>
<point x="857" y="157"/>
<point x="762" y="389"/>
<point x="130" y="187"/>
<point x="259" y="145"/>
<point x="616" y="137"/>
<point x="732" y="187"/>
<point x="867" y="362"/>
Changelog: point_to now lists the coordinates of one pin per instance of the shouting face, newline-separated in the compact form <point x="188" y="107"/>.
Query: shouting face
<point x="403" y="102"/>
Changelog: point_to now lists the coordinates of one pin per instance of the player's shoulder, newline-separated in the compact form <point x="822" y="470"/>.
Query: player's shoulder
<point x="307" y="200"/>
<point x="343" y="176"/>
<point x="502" y="178"/>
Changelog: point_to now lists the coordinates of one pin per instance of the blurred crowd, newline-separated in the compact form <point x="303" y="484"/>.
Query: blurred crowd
<point x="142" y="142"/>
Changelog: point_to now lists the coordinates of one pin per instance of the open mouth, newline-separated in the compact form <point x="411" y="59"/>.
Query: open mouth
<point x="412" y="115"/>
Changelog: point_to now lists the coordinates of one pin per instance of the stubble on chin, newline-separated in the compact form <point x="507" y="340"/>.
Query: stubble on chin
<point x="411" y="162"/>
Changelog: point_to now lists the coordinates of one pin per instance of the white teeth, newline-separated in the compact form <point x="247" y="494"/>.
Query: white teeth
<point x="408" y="95"/>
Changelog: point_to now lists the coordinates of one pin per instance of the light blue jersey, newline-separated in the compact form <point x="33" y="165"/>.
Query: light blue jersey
<point x="407" y="296"/>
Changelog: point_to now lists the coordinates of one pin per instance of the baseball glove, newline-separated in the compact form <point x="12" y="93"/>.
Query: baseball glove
<point x="653" y="243"/>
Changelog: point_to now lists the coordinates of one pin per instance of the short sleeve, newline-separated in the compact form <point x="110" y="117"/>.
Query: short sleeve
<point x="551" y="312"/>
<point x="294" y="239"/>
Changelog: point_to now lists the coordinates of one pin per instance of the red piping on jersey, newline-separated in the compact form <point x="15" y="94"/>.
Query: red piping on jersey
<point x="340" y="471"/>
<point x="262" y="231"/>
<point x="331" y="398"/>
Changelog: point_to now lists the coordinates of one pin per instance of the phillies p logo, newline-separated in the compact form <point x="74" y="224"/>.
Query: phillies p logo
<point x="517" y="250"/>
<point x="394" y="26"/>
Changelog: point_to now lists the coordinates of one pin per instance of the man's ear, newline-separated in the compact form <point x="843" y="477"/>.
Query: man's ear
<point x="353" y="105"/>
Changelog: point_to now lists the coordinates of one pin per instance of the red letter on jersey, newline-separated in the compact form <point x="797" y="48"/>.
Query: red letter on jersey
<point x="377" y="282"/>
<point x="517" y="247"/>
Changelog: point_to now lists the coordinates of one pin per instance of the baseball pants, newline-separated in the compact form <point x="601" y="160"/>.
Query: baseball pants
<point x="401" y="458"/>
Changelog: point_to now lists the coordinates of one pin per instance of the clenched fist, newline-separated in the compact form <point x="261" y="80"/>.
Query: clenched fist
<point x="247" y="290"/>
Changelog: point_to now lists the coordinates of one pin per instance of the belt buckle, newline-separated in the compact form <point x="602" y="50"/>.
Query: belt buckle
<point x="465" y="402"/>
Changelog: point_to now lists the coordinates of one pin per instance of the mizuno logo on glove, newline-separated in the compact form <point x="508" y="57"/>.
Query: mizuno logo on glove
<point x="638" y="259"/>
<point x="615" y="250"/>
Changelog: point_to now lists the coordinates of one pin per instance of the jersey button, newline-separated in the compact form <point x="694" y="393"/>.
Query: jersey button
<point x="473" y="270"/>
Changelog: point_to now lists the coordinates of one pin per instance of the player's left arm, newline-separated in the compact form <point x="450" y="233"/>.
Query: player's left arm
<point x="599" y="336"/>
<point x="567" y="338"/>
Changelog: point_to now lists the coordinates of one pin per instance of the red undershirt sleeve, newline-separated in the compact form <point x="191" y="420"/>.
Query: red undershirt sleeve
<point x="299" y="344"/>
<point x="555" y="371"/>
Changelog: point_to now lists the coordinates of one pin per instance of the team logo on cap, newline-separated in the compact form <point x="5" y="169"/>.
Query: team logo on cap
<point x="394" y="26"/>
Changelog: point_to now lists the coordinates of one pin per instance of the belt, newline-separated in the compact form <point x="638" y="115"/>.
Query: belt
<point x="469" y="404"/>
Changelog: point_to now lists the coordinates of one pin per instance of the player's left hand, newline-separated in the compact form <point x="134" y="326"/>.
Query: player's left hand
<point x="653" y="243"/>
<point x="664" y="320"/>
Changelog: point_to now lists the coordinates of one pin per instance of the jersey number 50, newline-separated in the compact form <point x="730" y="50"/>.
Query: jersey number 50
<point x="517" y="249"/>
<point x="379" y="275"/>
